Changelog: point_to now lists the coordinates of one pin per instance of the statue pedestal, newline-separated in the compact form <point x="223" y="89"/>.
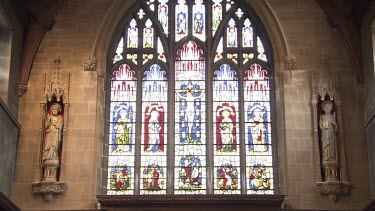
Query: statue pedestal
<point x="50" y="170"/>
<point x="333" y="189"/>
<point x="330" y="170"/>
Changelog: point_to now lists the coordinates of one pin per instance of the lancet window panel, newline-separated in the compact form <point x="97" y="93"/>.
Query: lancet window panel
<point x="190" y="103"/>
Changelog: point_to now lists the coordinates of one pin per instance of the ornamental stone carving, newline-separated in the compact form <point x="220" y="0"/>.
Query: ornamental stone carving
<point x="290" y="63"/>
<point x="331" y="175"/>
<point x="333" y="189"/>
<point x="49" y="172"/>
<point x="90" y="64"/>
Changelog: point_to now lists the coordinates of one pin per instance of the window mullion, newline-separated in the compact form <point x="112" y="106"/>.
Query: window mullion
<point x="209" y="128"/>
<point x="171" y="104"/>
<point x="138" y="129"/>
<point x="242" y="133"/>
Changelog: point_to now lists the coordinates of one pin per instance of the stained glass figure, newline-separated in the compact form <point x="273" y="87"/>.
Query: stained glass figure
<point x="190" y="173"/>
<point x="190" y="96"/>
<point x="120" y="178"/>
<point x="123" y="128"/>
<point x="199" y="20"/>
<point x="132" y="57"/>
<point x="259" y="178"/>
<point x="227" y="177"/>
<point x="225" y="95"/>
<point x="261" y="55"/>
<point x="181" y="20"/>
<point x="120" y="175"/>
<point x="154" y="128"/>
<point x="217" y="13"/>
<point x="133" y="35"/>
<point x="153" y="177"/>
<point x="163" y="15"/>
<point x="259" y="174"/>
<point x="119" y="50"/>
<point x="148" y="35"/>
<point x="231" y="34"/>
<point x="247" y="34"/>
<point x="257" y="117"/>
<point x="226" y="128"/>
<point x="155" y="89"/>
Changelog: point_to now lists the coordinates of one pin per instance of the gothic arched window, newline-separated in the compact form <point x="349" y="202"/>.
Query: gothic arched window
<point x="190" y="100"/>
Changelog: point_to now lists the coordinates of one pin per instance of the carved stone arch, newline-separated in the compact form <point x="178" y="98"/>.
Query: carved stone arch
<point x="115" y="13"/>
<point x="271" y="23"/>
<point x="110" y="26"/>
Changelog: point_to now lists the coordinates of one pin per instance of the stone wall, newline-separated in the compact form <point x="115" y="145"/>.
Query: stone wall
<point x="10" y="57"/>
<point x="368" y="40"/>
<point x="73" y="37"/>
<point x="9" y="130"/>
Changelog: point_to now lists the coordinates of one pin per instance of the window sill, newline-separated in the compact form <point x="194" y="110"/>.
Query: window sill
<point x="191" y="202"/>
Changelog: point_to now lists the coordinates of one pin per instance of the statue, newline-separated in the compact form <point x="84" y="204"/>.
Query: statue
<point x="328" y="127"/>
<point x="53" y="131"/>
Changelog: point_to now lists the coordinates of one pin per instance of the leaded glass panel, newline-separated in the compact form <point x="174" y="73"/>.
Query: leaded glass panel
<point x="190" y="116"/>
<point x="222" y="148"/>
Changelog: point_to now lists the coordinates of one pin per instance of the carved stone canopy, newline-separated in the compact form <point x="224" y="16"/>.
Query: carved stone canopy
<point x="56" y="87"/>
<point x="326" y="85"/>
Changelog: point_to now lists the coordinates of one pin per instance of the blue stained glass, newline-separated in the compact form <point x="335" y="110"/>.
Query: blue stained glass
<point x="190" y="120"/>
<point x="181" y="20"/>
<point x="199" y="20"/>
<point x="258" y="130"/>
<point x="122" y="137"/>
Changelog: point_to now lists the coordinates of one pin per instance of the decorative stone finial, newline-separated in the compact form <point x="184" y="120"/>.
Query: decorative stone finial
<point x="55" y="87"/>
<point x="326" y="84"/>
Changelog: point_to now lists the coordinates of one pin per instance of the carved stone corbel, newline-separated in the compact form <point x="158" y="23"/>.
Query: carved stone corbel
<point x="49" y="171"/>
<point x="90" y="64"/>
<point x="289" y="65"/>
<point x="331" y="173"/>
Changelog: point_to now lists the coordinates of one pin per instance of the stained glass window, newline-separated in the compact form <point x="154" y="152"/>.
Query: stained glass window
<point x="200" y="120"/>
<point x="154" y="129"/>
<point x="190" y="107"/>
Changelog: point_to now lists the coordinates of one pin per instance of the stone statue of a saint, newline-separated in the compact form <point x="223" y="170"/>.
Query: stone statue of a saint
<point x="53" y="129"/>
<point x="328" y="127"/>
